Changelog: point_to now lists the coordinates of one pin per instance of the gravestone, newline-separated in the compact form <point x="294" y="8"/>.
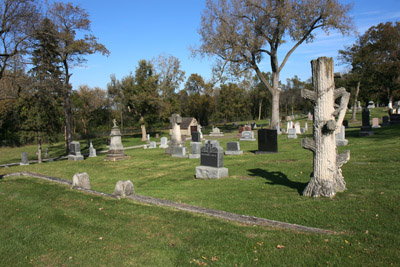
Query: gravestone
<point x="341" y="137"/>
<point x="359" y="105"/>
<point x="75" y="151"/>
<point x="148" y="137"/>
<point x="211" y="162"/>
<point x="309" y="116"/>
<point x="371" y="104"/>
<point x="233" y="148"/>
<point x="375" y="123"/>
<point x="157" y="135"/>
<point x="297" y="127"/>
<point x="152" y="145"/>
<point x="292" y="133"/>
<point x="278" y="127"/>
<point x="179" y="152"/>
<point x="289" y="125"/>
<point x="345" y="123"/>
<point x="366" y="126"/>
<point x="164" y="142"/>
<point x="216" y="132"/>
<point x="176" y="137"/>
<point x="195" y="149"/>
<point x="306" y="127"/>
<point x="24" y="158"/>
<point x="81" y="180"/>
<point x="196" y="137"/>
<point x="124" y="188"/>
<point x="92" y="151"/>
<point x="116" y="151"/>
<point x="394" y="118"/>
<point x="46" y="153"/>
<point x="267" y="141"/>
<point x="247" y="136"/>
<point x="385" y="121"/>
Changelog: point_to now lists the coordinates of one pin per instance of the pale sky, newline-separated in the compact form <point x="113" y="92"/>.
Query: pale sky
<point x="134" y="29"/>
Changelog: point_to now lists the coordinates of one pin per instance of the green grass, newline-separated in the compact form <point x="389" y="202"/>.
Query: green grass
<point x="267" y="186"/>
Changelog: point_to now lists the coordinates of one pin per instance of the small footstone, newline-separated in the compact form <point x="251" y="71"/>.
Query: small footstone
<point x="124" y="188"/>
<point x="81" y="180"/>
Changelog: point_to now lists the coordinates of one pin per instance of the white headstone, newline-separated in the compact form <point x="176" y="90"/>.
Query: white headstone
<point x="297" y="127"/>
<point x="164" y="142"/>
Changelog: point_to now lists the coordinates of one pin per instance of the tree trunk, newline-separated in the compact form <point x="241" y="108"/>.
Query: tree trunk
<point x="354" y="115"/>
<point x="275" y="109"/>
<point x="326" y="179"/>
<point x="259" y="109"/>
<point x="144" y="135"/>
<point x="39" y="148"/>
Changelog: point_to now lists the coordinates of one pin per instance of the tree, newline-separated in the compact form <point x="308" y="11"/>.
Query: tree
<point x="89" y="105"/>
<point x="233" y="102"/>
<point x="140" y="95"/>
<point x="375" y="58"/>
<point x="69" y="19"/>
<point x="18" y="19"/>
<point x="241" y="32"/>
<point x="39" y="109"/>
<point x="170" y="76"/>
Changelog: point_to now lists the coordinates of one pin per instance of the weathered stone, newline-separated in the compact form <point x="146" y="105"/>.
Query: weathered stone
<point x="206" y="172"/>
<point x="195" y="150"/>
<point x="116" y="151"/>
<point x="233" y="148"/>
<point x="176" y="137"/>
<point x="375" y="123"/>
<point x="75" y="151"/>
<point x="179" y="152"/>
<point x="152" y="144"/>
<point x="24" y="158"/>
<point x="292" y="133"/>
<point x="216" y="132"/>
<point x="124" y="188"/>
<point x="81" y="180"/>
<point x="340" y="137"/>
<point x="247" y="136"/>
<point x="164" y="142"/>
<point x="92" y="151"/>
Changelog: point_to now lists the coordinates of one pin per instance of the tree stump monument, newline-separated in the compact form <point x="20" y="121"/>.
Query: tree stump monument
<point x="326" y="178"/>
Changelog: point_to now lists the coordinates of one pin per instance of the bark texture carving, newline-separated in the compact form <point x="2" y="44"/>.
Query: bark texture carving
<point x="326" y="178"/>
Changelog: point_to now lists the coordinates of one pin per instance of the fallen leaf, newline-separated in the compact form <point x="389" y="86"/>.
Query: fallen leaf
<point x="214" y="258"/>
<point x="101" y="208"/>
<point x="347" y="242"/>
<point x="366" y="232"/>
<point x="100" y="238"/>
<point x="204" y="257"/>
<point x="279" y="246"/>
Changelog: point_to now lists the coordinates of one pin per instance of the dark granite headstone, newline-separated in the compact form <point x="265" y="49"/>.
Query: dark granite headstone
<point x="365" y="117"/>
<point x="385" y="120"/>
<point x="196" y="137"/>
<point x="212" y="155"/>
<point x="267" y="141"/>
<point x="346" y="123"/>
<point x="394" y="118"/>
<point x="232" y="146"/>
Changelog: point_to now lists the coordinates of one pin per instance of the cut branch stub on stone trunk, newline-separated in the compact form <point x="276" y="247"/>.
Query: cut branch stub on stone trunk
<point x="326" y="178"/>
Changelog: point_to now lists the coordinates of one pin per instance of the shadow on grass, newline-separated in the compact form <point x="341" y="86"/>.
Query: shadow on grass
<point x="278" y="178"/>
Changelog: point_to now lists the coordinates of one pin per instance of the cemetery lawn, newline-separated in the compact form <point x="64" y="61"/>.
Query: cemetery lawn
<point x="45" y="223"/>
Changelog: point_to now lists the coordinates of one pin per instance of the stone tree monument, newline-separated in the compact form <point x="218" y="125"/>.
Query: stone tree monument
<point x="326" y="178"/>
<point x="176" y="138"/>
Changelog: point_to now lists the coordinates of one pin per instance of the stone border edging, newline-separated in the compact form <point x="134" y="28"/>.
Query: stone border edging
<point x="251" y="220"/>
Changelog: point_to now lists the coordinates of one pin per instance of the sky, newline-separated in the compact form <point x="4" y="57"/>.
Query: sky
<point x="133" y="30"/>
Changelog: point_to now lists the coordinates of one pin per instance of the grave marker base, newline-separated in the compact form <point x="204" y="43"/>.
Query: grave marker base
<point x="205" y="172"/>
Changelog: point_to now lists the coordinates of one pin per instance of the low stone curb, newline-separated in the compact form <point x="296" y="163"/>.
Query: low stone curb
<point x="250" y="220"/>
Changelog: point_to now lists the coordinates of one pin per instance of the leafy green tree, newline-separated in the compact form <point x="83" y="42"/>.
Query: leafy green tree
<point x="243" y="32"/>
<point x="375" y="57"/>
<point x="233" y="102"/>
<point x="69" y="20"/>
<point x="90" y="107"/>
<point x="40" y="113"/>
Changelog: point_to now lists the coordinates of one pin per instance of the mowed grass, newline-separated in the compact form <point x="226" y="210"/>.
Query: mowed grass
<point x="75" y="228"/>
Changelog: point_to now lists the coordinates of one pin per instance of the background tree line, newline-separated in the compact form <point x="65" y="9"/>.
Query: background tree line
<point x="39" y="46"/>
